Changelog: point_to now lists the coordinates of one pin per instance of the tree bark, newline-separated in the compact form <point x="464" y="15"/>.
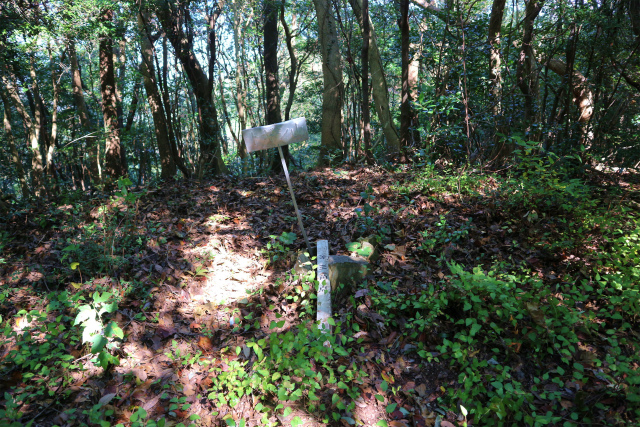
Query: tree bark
<point x="113" y="157"/>
<point x="134" y="105"/>
<point x="15" y="155"/>
<point x="526" y="73"/>
<point x="173" y="16"/>
<point x="582" y="96"/>
<point x="241" y="94"/>
<point x="147" y="69"/>
<point x="333" y="91"/>
<point x="49" y="165"/>
<point x="406" y="139"/>
<point x="33" y="131"/>
<point x="83" y="114"/>
<point x="379" y="87"/>
<point x="293" y="71"/>
<point x="495" y="75"/>
<point x="366" y="113"/>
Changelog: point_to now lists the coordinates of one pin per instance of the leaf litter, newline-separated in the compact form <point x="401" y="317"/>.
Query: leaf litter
<point x="201" y="276"/>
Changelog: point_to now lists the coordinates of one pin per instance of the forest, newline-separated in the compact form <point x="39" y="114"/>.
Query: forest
<point x="478" y="157"/>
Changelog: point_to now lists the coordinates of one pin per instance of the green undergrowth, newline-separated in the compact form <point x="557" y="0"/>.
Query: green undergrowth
<point x="528" y="347"/>
<point x="294" y="368"/>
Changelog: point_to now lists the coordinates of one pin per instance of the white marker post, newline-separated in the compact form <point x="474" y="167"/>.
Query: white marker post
<point x="277" y="135"/>
<point x="324" y="287"/>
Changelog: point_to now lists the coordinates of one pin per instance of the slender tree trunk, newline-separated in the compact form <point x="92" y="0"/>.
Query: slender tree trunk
<point x="83" y="113"/>
<point x="333" y="92"/>
<point x="526" y="73"/>
<point x="147" y="69"/>
<point x="379" y="87"/>
<point x="15" y="155"/>
<point x="406" y="139"/>
<point x="113" y="157"/>
<point x="241" y="95"/>
<point x="582" y="96"/>
<point x="49" y="165"/>
<point x="32" y="127"/>
<point x="293" y="71"/>
<point x="274" y="113"/>
<point x="177" y="159"/>
<point x="173" y="17"/>
<point x="134" y="105"/>
<point x="366" y="114"/>
<point x="495" y="75"/>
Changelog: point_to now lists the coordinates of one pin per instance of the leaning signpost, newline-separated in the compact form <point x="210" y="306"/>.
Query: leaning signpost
<point x="277" y="135"/>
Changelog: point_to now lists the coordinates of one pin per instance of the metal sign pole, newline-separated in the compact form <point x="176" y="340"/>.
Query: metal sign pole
<point x="276" y="135"/>
<point x="293" y="198"/>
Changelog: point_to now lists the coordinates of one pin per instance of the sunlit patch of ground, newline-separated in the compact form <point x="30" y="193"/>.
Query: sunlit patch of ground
<point x="230" y="275"/>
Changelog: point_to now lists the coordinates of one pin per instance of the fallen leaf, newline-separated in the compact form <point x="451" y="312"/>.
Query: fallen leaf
<point x="106" y="398"/>
<point x="205" y="344"/>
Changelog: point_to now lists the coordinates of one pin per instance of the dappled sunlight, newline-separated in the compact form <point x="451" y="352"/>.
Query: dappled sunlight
<point x="229" y="276"/>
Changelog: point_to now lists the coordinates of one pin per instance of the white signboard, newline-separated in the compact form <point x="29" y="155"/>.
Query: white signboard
<point x="276" y="135"/>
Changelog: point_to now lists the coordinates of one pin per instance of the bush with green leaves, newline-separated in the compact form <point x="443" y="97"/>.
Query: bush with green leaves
<point x="101" y="336"/>
<point x="106" y="244"/>
<point x="289" y="367"/>
<point x="543" y="181"/>
<point x="278" y="247"/>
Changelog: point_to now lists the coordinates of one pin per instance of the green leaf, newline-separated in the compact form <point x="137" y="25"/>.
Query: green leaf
<point x="464" y="411"/>
<point x="296" y="421"/>
<point x="97" y="343"/>
<point x="288" y="238"/>
<point x="113" y="329"/>
<point x="259" y="353"/>
<point x="108" y="308"/>
<point x="85" y="313"/>
<point x="391" y="407"/>
<point x="287" y="411"/>
<point x="475" y="328"/>
<point x="382" y="423"/>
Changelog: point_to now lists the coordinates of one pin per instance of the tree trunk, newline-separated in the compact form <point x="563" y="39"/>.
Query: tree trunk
<point x="274" y="113"/>
<point x="33" y="131"/>
<point x="293" y="71"/>
<point x="333" y="92"/>
<point x="495" y="75"/>
<point x="172" y="18"/>
<point x="15" y="155"/>
<point x="134" y="105"/>
<point x="366" y="113"/>
<point x="406" y="139"/>
<point x="49" y="165"/>
<point x="147" y="69"/>
<point x="241" y="95"/>
<point x="113" y="157"/>
<point x="582" y="96"/>
<point x="526" y="73"/>
<point x="379" y="87"/>
<point x="177" y="159"/>
<point x="83" y="113"/>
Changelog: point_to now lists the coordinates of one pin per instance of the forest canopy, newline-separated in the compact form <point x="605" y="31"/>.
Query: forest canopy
<point x="94" y="90"/>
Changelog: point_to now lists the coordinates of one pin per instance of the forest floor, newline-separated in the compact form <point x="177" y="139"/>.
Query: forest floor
<point x="494" y="299"/>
